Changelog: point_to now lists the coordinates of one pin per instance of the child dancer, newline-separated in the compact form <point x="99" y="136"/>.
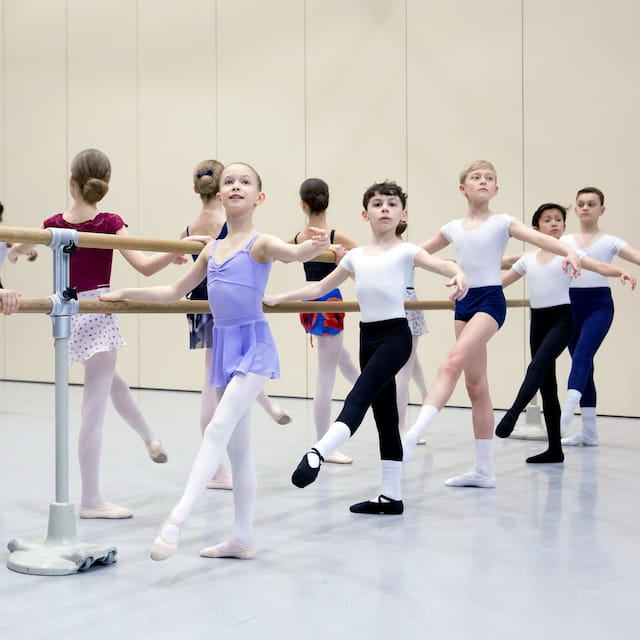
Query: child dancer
<point x="325" y="327"/>
<point x="95" y="338"/>
<point x="244" y="353"/>
<point x="412" y="368"/>
<point x="592" y="308"/>
<point x="479" y="240"/>
<point x="210" y="223"/>
<point x="380" y="270"/>
<point x="551" y="326"/>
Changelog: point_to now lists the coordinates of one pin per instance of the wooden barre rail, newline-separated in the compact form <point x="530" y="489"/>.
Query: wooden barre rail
<point x="112" y="241"/>
<point x="43" y="305"/>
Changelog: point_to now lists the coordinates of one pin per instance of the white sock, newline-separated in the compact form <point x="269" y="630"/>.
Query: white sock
<point x="337" y="434"/>
<point x="484" y="457"/>
<point x="392" y="479"/>
<point x="589" y="428"/>
<point x="571" y="401"/>
<point x="427" y="415"/>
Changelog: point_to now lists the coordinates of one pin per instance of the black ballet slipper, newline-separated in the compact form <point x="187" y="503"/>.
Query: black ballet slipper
<point x="505" y="426"/>
<point x="381" y="506"/>
<point x="305" y="474"/>
<point x="546" y="457"/>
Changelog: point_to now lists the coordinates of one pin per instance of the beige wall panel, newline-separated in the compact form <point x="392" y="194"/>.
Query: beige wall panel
<point x="464" y="103"/>
<point x="356" y="116"/>
<point x="176" y="129"/>
<point x="261" y="97"/>
<point x="581" y="129"/>
<point x="34" y="164"/>
<point x="103" y="113"/>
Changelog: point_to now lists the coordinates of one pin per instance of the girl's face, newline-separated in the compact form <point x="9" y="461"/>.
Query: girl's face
<point x="384" y="212"/>
<point x="552" y="223"/>
<point x="239" y="187"/>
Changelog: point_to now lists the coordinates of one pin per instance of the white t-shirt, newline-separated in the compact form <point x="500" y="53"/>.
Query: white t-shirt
<point x="548" y="284"/>
<point x="381" y="280"/>
<point x="603" y="250"/>
<point x="479" y="251"/>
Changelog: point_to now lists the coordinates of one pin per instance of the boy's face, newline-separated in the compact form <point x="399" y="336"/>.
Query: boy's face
<point x="384" y="212"/>
<point x="480" y="185"/>
<point x="588" y="207"/>
<point x="551" y="223"/>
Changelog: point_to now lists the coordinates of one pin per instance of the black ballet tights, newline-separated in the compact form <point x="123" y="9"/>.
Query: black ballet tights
<point x="550" y="455"/>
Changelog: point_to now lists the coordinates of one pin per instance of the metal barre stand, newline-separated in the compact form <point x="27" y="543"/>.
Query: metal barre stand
<point x="60" y="552"/>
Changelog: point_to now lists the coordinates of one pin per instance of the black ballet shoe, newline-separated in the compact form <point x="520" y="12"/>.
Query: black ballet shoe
<point x="305" y="474"/>
<point x="384" y="506"/>
<point x="506" y="425"/>
<point x="546" y="457"/>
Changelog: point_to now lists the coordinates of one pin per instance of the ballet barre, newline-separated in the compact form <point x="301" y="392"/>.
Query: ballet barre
<point x="112" y="241"/>
<point x="44" y="305"/>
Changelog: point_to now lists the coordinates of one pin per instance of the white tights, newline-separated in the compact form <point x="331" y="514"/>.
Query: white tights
<point x="101" y="381"/>
<point x="331" y="356"/>
<point x="230" y="430"/>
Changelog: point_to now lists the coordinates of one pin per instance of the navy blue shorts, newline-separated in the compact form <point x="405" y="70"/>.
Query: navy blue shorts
<point x="485" y="299"/>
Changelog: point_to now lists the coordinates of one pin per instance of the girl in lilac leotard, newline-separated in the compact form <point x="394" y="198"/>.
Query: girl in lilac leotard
<point x="244" y="354"/>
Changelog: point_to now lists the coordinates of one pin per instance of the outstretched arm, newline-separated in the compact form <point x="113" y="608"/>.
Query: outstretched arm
<point x="510" y="277"/>
<point x="520" y="231"/>
<point x="630" y="254"/>
<point x="435" y="243"/>
<point x="425" y="260"/>
<point x="169" y="293"/>
<point x="268" y="247"/>
<point x="609" y="270"/>
<point x="311" y="291"/>
<point x="145" y="264"/>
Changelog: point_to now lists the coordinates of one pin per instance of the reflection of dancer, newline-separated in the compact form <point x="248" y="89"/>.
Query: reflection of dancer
<point x="210" y="223"/>
<point x="380" y="270"/>
<point x="244" y="353"/>
<point x="551" y="326"/>
<point x="325" y="328"/>
<point x="412" y="368"/>
<point x="95" y="338"/>
<point x="479" y="240"/>
<point x="592" y="308"/>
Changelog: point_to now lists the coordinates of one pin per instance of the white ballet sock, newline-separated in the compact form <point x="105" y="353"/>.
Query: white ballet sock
<point x="589" y="429"/>
<point x="337" y="434"/>
<point x="481" y="475"/>
<point x="427" y="415"/>
<point x="571" y="401"/>
<point x="392" y="479"/>
<point x="170" y="532"/>
<point x="484" y="457"/>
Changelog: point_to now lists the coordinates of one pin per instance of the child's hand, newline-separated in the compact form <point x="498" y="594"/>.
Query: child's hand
<point x="10" y="300"/>
<point x="179" y="259"/>
<point x="204" y="239"/>
<point x="318" y="237"/>
<point x="339" y="250"/>
<point x="572" y="260"/>
<point x="272" y="300"/>
<point x="112" y="296"/>
<point x="31" y="255"/>
<point x="460" y="283"/>
<point x="627" y="277"/>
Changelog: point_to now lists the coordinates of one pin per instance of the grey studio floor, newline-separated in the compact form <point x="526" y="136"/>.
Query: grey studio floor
<point x="552" y="552"/>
